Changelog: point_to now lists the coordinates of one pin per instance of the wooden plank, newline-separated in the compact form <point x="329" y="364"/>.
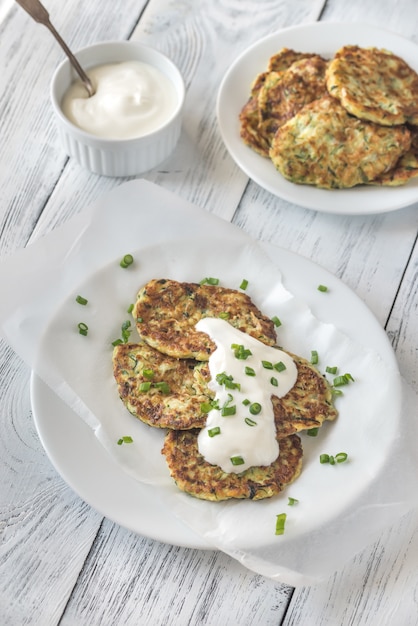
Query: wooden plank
<point x="356" y="250"/>
<point x="380" y="585"/>
<point x="131" y="580"/>
<point x="46" y="530"/>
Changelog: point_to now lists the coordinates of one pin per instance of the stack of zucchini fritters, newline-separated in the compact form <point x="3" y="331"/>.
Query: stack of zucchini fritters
<point x="336" y="123"/>
<point x="163" y="381"/>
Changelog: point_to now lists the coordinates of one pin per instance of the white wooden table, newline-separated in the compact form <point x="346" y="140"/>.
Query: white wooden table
<point x="61" y="561"/>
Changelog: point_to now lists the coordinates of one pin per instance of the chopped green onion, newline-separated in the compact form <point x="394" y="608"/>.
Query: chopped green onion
<point x="267" y="365"/>
<point x="224" y="315"/>
<point x="255" y="408"/>
<point x="126" y="331"/>
<point x="222" y="377"/>
<point x="337" y="392"/>
<point x="280" y="366"/>
<point x="227" y="381"/>
<point x="331" y="370"/>
<point x="274" y="381"/>
<point x="240" y="352"/>
<point x="322" y="288"/>
<point x="343" y="379"/>
<point x="280" y="523"/>
<point x="205" y="407"/>
<point x="237" y="460"/>
<point x="83" y="328"/>
<point x="139" y="320"/>
<point x="127" y="260"/>
<point x="145" y="386"/>
<point x="162" y="386"/>
<point x="249" y="371"/>
<point x="329" y="458"/>
<point x="250" y="422"/>
<point x="147" y="373"/>
<point x="244" y="284"/>
<point x="212" y="432"/>
<point x="229" y="400"/>
<point x="209" y="281"/>
<point x="81" y="300"/>
<point x="246" y="402"/>
<point x="125" y="439"/>
<point x="292" y="501"/>
<point x="227" y="411"/>
<point x="314" y="357"/>
<point x="312" y="432"/>
<point x="341" y="457"/>
<point x="276" y="321"/>
<point x="130" y="308"/>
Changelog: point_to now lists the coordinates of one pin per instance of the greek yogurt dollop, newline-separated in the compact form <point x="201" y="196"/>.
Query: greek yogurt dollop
<point x="132" y="99"/>
<point x="240" y="431"/>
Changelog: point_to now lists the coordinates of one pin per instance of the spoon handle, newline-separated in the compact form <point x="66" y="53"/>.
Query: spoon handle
<point x="39" y="13"/>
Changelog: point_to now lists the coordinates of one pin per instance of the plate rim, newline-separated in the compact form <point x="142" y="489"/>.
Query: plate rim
<point x="187" y="538"/>
<point x="290" y="191"/>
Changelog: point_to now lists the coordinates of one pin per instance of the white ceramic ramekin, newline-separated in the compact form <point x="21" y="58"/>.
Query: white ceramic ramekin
<point x="112" y="157"/>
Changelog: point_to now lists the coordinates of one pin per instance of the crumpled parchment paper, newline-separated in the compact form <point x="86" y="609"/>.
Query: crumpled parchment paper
<point x="340" y="508"/>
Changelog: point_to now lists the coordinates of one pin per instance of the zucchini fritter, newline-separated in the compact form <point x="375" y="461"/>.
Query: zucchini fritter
<point x="323" y="145"/>
<point x="284" y="93"/>
<point x="370" y="85"/>
<point x="162" y="385"/>
<point x="283" y="59"/>
<point x="307" y="405"/>
<point x="176" y="387"/>
<point x="176" y="402"/>
<point x="374" y="85"/>
<point x="249" y="118"/>
<point x="166" y="312"/>
<point x="292" y="80"/>
<point x="200" y="479"/>
<point x="405" y="169"/>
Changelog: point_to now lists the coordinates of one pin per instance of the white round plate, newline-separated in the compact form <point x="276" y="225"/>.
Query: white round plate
<point x="95" y="476"/>
<point x="324" y="38"/>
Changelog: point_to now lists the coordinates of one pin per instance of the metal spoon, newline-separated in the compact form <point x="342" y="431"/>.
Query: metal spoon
<point x="38" y="12"/>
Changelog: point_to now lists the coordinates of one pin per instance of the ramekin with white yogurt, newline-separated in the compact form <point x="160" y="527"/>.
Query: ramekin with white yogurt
<point x="133" y="121"/>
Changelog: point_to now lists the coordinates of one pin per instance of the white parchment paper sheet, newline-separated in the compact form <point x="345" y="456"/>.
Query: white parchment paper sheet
<point x="340" y="508"/>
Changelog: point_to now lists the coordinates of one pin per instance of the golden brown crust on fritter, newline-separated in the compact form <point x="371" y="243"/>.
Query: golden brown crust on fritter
<point x="374" y="85"/>
<point x="307" y="405"/>
<point x="167" y="311"/>
<point x="323" y="145"/>
<point x="177" y="406"/>
<point x="405" y="169"/>
<point x="284" y="93"/>
<point x="200" y="479"/>
<point x="292" y="80"/>
<point x="249" y="117"/>
<point x="285" y="58"/>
